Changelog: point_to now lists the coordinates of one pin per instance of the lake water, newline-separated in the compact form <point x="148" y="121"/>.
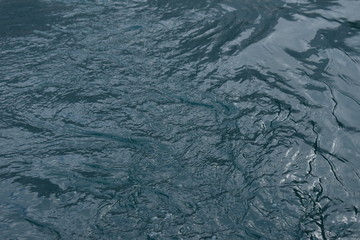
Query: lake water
<point x="179" y="119"/>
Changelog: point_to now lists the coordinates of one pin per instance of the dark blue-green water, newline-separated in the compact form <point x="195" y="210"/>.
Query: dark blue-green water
<point x="179" y="119"/>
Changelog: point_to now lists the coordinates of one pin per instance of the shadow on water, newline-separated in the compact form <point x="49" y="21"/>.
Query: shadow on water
<point x="21" y="17"/>
<point x="43" y="187"/>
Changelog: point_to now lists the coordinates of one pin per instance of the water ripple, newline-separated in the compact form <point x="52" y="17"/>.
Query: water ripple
<point x="162" y="119"/>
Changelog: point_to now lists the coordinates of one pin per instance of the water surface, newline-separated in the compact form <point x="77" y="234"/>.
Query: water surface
<point x="159" y="119"/>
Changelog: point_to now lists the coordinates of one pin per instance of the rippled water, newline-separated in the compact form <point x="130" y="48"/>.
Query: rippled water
<point x="179" y="119"/>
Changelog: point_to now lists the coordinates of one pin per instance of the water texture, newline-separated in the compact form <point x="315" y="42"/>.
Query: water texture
<point x="179" y="119"/>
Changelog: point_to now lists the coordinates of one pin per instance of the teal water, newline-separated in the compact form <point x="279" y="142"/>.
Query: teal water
<point x="159" y="119"/>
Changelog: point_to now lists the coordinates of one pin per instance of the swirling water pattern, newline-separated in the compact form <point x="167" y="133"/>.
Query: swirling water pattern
<point x="159" y="119"/>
